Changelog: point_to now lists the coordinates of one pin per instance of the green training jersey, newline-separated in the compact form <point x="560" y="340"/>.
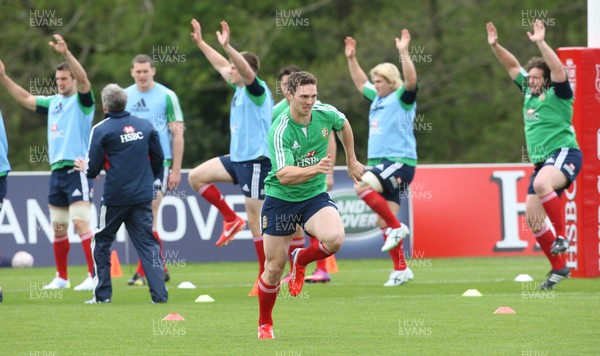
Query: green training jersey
<point x="280" y="107"/>
<point x="293" y="144"/>
<point x="548" y="121"/>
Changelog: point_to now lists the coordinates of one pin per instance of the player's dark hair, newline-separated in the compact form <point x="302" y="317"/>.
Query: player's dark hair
<point x="252" y="60"/>
<point x="287" y="70"/>
<point x="142" y="58"/>
<point x="540" y="63"/>
<point x="298" y="79"/>
<point x="64" y="66"/>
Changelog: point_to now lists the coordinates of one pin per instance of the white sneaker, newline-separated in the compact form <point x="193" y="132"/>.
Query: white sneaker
<point x="58" y="283"/>
<point x="394" y="236"/>
<point x="94" y="301"/>
<point x="87" y="284"/>
<point x="399" y="277"/>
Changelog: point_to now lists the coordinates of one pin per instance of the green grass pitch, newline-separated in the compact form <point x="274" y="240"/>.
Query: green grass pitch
<point x="352" y="315"/>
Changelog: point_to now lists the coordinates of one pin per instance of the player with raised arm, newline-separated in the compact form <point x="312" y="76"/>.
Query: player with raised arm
<point x="392" y="147"/>
<point x="70" y="114"/>
<point x="551" y="143"/>
<point x="247" y="163"/>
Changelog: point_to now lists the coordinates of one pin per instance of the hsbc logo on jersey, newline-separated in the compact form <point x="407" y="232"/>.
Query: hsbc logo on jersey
<point x="130" y="134"/>
<point x="306" y="162"/>
<point x="309" y="160"/>
<point x="374" y="128"/>
<point x="55" y="132"/>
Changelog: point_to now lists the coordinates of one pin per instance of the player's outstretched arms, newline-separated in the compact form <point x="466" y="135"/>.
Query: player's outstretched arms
<point x="21" y="96"/>
<point x="507" y="59"/>
<point x="557" y="72"/>
<point x="219" y="63"/>
<point x="408" y="67"/>
<point x="236" y="57"/>
<point x="359" y="78"/>
<point x="83" y="84"/>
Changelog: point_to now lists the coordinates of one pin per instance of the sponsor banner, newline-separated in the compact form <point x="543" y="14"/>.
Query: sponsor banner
<point x="363" y="236"/>
<point x="582" y="201"/>
<point x="187" y="224"/>
<point x="471" y="210"/>
<point x="455" y="211"/>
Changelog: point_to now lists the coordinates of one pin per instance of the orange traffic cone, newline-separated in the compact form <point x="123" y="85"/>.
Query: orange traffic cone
<point x="331" y="264"/>
<point x="173" y="316"/>
<point x="115" y="265"/>
<point x="254" y="290"/>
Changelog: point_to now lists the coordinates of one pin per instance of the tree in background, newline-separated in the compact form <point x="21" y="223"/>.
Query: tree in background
<point x="464" y="114"/>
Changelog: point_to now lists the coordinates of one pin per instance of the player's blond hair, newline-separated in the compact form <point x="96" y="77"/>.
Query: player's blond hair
<point x="389" y="72"/>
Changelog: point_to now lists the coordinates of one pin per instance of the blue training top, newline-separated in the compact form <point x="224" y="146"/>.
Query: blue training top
<point x="4" y="165"/>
